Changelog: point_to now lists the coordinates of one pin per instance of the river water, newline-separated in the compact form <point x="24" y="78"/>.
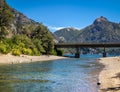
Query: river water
<point x="68" y="75"/>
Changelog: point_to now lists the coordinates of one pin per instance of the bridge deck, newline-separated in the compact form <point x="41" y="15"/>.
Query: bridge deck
<point x="74" y="45"/>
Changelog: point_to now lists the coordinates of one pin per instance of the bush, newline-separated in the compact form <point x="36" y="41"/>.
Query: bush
<point x="35" y="52"/>
<point x="26" y="51"/>
<point x="16" y="52"/>
<point x="23" y="41"/>
<point x="38" y="45"/>
<point x="53" y="52"/>
<point x="3" y="49"/>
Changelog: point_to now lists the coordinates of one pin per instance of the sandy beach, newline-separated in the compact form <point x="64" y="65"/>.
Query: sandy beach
<point x="10" y="59"/>
<point x="109" y="77"/>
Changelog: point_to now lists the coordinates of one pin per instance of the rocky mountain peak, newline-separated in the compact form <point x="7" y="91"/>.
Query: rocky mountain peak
<point x="101" y="19"/>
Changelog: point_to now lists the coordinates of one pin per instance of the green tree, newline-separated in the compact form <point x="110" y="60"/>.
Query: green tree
<point x="23" y="39"/>
<point x="42" y="33"/>
<point x="24" y="44"/>
<point x="38" y="45"/>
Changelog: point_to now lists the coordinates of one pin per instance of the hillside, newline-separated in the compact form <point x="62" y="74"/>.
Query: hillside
<point x="19" y="24"/>
<point x="101" y="31"/>
<point x="22" y="23"/>
<point x="67" y="34"/>
<point x="21" y="35"/>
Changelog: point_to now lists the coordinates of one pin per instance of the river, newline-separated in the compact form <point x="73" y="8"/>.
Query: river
<point x="68" y="75"/>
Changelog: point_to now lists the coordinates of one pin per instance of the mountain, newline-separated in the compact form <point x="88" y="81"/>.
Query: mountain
<point x="21" y="35"/>
<point x="67" y="34"/>
<point x="21" y="20"/>
<point x="20" y="24"/>
<point x="101" y="31"/>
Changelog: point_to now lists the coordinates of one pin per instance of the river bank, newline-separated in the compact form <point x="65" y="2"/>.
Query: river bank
<point x="10" y="59"/>
<point x="109" y="77"/>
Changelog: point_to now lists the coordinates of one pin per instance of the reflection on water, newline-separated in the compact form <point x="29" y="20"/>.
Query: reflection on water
<point x="70" y="75"/>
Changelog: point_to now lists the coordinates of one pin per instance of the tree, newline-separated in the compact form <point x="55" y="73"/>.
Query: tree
<point x="38" y="45"/>
<point x="24" y="40"/>
<point x="43" y="34"/>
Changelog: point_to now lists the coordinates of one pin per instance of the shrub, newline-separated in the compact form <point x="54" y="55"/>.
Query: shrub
<point x="38" y="45"/>
<point x="3" y="48"/>
<point x="53" y="52"/>
<point x="16" y="52"/>
<point x="35" y="52"/>
<point x="26" y="51"/>
<point x="23" y="41"/>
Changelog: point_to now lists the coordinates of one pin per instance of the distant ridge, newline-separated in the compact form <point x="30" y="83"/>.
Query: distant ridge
<point x="101" y="31"/>
<point x="67" y="34"/>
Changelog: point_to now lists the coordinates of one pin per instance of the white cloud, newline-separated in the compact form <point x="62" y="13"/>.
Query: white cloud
<point x="53" y="28"/>
<point x="77" y="28"/>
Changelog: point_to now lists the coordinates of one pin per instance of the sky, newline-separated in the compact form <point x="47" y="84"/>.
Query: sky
<point x="57" y="14"/>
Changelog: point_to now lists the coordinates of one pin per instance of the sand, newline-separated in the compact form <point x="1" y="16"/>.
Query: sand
<point x="10" y="59"/>
<point x="109" y="77"/>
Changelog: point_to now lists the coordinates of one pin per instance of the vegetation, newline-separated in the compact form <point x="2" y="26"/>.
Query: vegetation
<point x="5" y="19"/>
<point x="59" y="52"/>
<point x="43" y="39"/>
<point x="29" y="37"/>
<point x="22" y="44"/>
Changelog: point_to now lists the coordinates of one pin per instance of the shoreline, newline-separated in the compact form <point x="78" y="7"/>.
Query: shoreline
<point x="10" y="59"/>
<point x="109" y="77"/>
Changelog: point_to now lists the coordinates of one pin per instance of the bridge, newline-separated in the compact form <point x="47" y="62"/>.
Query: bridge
<point x="90" y="45"/>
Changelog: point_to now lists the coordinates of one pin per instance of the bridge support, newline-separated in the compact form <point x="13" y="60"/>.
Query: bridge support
<point x="77" y="54"/>
<point x="104" y="53"/>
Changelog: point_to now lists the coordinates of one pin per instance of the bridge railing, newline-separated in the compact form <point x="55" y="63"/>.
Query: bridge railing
<point x="92" y="45"/>
<point x="69" y="45"/>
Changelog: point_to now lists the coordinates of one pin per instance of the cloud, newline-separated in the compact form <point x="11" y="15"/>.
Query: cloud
<point x="53" y="28"/>
<point x="77" y="28"/>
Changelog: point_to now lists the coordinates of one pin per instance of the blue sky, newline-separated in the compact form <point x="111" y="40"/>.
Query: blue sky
<point x="57" y="14"/>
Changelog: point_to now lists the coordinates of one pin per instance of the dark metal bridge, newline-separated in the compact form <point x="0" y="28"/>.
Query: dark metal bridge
<point x="91" y="45"/>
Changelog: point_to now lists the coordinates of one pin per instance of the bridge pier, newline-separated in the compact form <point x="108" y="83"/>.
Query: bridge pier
<point x="104" y="53"/>
<point x="77" y="54"/>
